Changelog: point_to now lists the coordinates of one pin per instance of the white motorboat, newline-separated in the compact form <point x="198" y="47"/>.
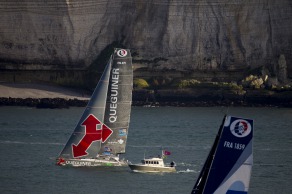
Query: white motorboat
<point x="153" y="164"/>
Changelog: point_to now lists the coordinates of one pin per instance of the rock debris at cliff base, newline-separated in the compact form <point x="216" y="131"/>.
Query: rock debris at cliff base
<point x="185" y="98"/>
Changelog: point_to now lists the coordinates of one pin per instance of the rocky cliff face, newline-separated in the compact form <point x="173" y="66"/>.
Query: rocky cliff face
<point x="171" y="34"/>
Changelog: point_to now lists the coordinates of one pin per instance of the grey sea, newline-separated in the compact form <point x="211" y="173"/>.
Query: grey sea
<point x="31" y="139"/>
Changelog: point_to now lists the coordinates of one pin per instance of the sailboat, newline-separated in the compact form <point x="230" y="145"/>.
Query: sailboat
<point x="229" y="163"/>
<point x="100" y="136"/>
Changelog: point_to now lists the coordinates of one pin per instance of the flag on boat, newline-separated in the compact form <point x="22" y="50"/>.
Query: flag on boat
<point x="167" y="153"/>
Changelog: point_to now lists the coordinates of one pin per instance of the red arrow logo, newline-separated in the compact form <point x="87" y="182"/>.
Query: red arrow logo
<point x="106" y="133"/>
<point x="91" y="134"/>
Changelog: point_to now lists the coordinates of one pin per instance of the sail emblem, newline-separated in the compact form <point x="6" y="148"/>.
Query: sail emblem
<point x="92" y="134"/>
<point x="240" y="128"/>
<point x="122" y="53"/>
<point x="120" y="141"/>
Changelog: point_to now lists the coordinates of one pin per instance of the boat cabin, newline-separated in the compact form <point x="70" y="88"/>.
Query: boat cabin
<point x="153" y="162"/>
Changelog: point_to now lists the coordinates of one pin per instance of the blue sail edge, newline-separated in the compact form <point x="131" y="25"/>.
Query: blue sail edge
<point x="228" y="166"/>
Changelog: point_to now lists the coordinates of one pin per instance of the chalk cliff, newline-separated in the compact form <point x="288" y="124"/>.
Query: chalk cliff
<point x="162" y="34"/>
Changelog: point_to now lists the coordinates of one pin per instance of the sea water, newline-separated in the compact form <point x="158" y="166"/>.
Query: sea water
<point x="31" y="139"/>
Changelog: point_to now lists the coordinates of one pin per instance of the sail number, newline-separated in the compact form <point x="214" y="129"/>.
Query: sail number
<point x="233" y="145"/>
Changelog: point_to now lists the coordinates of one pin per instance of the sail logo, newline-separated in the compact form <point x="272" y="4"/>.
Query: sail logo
<point x="122" y="53"/>
<point x="95" y="130"/>
<point x="240" y="128"/>
<point x="107" y="151"/>
<point x="122" y="132"/>
<point x="120" y="141"/>
<point x="114" y="95"/>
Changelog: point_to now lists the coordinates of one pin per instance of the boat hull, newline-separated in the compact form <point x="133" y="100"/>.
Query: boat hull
<point x="145" y="168"/>
<point x="90" y="162"/>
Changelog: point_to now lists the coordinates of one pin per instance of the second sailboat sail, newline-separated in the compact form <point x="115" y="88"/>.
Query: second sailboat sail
<point x="229" y="163"/>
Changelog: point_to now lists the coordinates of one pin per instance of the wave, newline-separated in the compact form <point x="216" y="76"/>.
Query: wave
<point x="185" y="164"/>
<point x="272" y="149"/>
<point x="186" y="171"/>
<point x="144" y="146"/>
<point x="171" y="146"/>
<point x="271" y="164"/>
<point x="30" y="143"/>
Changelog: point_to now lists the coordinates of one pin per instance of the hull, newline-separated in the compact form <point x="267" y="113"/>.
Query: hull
<point x="90" y="162"/>
<point x="145" y="168"/>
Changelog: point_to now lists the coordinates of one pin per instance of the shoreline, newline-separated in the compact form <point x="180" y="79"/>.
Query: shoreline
<point x="52" y="96"/>
<point x="59" y="103"/>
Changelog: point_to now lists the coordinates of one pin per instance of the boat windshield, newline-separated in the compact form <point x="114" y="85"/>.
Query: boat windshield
<point x="149" y="162"/>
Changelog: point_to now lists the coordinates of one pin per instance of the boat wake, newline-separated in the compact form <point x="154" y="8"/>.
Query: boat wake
<point x="186" y="164"/>
<point x="186" y="171"/>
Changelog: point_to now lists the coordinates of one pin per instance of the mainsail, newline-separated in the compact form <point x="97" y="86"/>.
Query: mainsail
<point x="118" y="104"/>
<point x="103" y="127"/>
<point x="229" y="163"/>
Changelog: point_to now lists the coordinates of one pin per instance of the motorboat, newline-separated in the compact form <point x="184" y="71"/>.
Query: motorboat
<point x="153" y="164"/>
